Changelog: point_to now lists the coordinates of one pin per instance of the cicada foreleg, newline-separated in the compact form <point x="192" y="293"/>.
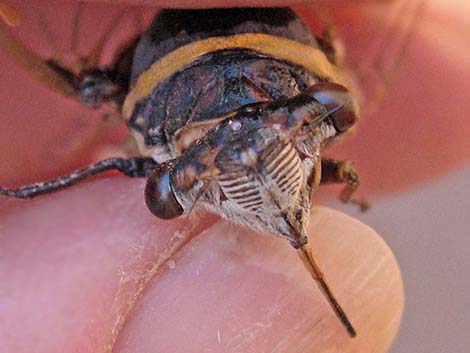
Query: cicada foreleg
<point x="343" y="172"/>
<point x="131" y="167"/>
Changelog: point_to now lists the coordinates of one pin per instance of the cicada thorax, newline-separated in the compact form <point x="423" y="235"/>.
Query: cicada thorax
<point x="212" y="87"/>
<point x="215" y="83"/>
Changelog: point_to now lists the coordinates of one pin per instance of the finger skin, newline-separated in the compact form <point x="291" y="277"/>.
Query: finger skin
<point x="90" y="270"/>
<point x="420" y="131"/>
<point x="184" y="4"/>
<point x="218" y="3"/>
<point x="240" y="291"/>
<point x="72" y="265"/>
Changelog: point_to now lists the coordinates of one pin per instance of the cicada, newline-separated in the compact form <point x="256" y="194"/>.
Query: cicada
<point x="231" y="110"/>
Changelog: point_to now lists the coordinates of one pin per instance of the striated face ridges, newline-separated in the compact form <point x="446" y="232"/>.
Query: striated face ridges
<point x="283" y="169"/>
<point x="272" y="187"/>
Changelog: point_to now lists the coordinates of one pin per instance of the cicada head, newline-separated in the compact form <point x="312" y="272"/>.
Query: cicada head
<point x="264" y="183"/>
<point x="261" y="165"/>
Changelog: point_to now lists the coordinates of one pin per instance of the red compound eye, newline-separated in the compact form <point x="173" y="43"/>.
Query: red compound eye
<point x="159" y="196"/>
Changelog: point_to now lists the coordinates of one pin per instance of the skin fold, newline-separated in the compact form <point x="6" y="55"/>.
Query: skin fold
<point x="90" y="270"/>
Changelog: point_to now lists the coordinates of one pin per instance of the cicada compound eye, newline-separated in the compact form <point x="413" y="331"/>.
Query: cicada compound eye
<point x="159" y="195"/>
<point x="339" y="100"/>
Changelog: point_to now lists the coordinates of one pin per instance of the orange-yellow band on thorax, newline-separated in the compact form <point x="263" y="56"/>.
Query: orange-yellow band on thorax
<point x="311" y="58"/>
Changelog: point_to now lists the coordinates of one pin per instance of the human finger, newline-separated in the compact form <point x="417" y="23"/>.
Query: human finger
<point x="95" y="268"/>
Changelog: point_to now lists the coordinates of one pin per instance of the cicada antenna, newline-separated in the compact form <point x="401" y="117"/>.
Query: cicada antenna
<point x="319" y="119"/>
<point x="311" y="264"/>
<point x="198" y="196"/>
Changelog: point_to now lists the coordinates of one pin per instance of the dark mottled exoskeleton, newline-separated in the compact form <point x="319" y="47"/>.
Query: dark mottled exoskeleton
<point x="231" y="109"/>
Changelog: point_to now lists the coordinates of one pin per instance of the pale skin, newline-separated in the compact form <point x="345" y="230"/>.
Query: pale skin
<point x="90" y="270"/>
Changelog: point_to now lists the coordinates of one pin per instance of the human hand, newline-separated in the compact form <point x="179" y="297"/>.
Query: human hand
<point x="103" y="265"/>
<point x="90" y="270"/>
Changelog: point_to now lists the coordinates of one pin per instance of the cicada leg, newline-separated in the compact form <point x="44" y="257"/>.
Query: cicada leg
<point x="82" y="79"/>
<point x="131" y="167"/>
<point x="343" y="172"/>
<point x="72" y="76"/>
<point x="57" y="81"/>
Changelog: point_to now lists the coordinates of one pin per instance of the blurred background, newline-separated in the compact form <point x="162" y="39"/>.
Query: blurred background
<point x="413" y="151"/>
<point x="428" y="229"/>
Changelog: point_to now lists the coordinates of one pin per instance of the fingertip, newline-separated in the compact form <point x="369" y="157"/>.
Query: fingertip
<point x="75" y="262"/>
<point x="363" y="272"/>
<point x="228" y="289"/>
<point x="231" y="289"/>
